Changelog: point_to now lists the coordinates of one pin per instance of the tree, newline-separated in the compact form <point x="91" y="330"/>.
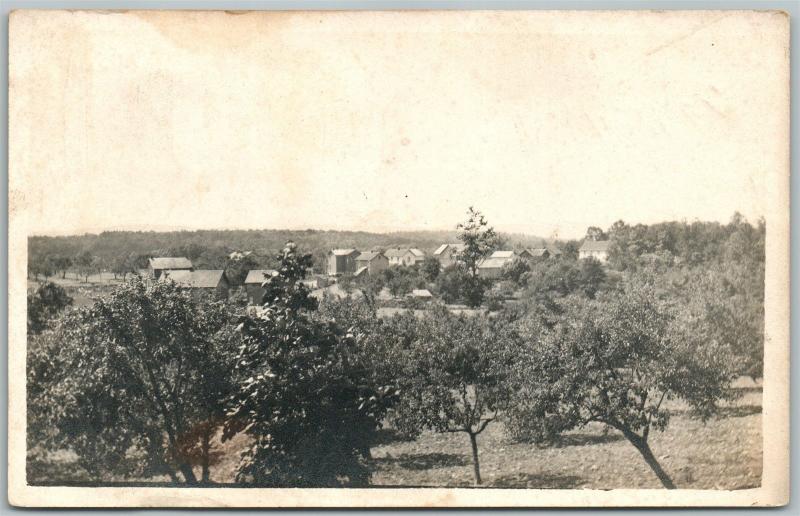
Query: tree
<point x="143" y="371"/>
<point x="591" y="277"/>
<point x="238" y="265"/>
<point x="479" y="241"/>
<point x="44" y="304"/>
<point x="595" y="233"/>
<point x="449" y="284"/>
<point x="431" y="268"/>
<point x="62" y="264"/>
<point x="85" y="264"/>
<point x="515" y="270"/>
<point x="401" y="280"/>
<point x="615" y="361"/>
<point x="453" y="378"/>
<point x="303" y="394"/>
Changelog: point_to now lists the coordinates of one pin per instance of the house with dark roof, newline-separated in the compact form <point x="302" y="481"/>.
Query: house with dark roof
<point x="373" y="261"/>
<point x="202" y="283"/>
<point x="597" y="249"/>
<point x="157" y="266"/>
<point x="544" y="251"/>
<point x="252" y="284"/>
<point x="342" y="261"/>
<point x="404" y="256"/>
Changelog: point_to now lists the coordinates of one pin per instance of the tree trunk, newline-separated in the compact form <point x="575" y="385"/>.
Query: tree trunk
<point x="206" y="452"/>
<point x="473" y="439"/>
<point x="650" y="459"/>
<point x="188" y="473"/>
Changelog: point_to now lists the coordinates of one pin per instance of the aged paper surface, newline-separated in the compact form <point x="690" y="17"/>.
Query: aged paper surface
<point x="152" y="120"/>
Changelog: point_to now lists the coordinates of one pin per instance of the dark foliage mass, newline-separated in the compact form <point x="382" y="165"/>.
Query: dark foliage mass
<point x="140" y="383"/>
<point x="143" y="372"/>
<point x="304" y="396"/>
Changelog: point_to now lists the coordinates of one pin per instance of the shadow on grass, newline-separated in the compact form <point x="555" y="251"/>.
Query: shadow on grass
<point x="425" y="460"/>
<point x="757" y="389"/>
<point x="738" y="411"/>
<point x="724" y="412"/>
<point x="540" y="481"/>
<point x="585" y="439"/>
<point x="389" y="436"/>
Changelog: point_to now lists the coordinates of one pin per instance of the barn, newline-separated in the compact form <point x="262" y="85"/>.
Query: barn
<point x="374" y="262"/>
<point x="342" y="261"/>
<point x="252" y="284"/>
<point x="157" y="266"/>
<point x="212" y="283"/>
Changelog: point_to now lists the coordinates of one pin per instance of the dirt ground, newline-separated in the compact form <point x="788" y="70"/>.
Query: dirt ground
<point x="724" y="453"/>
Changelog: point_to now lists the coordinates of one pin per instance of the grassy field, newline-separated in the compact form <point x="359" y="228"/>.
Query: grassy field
<point x="723" y="453"/>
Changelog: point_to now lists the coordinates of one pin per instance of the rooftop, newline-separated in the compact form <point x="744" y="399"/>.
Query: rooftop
<point x="194" y="279"/>
<point x="179" y="262"/>
<point x="595" y="245"/>
<point x="259" y="275"/>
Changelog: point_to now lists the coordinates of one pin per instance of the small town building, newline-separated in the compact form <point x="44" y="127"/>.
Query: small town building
<point x="157" y="266"/>
<point x="447" y="254"/>
<point x="545" y="251"/>
<point x="492" y="267"/>
<point x="342" y="261"/>
<point x="404" y="256"/>
<point x="422" y="294"/>
<point x="373" y="261"/>
<point x="202" y="283"/>
<point x="252" y="284"/>
<point x="597" y="249"/>
<point x="315" y="282"/>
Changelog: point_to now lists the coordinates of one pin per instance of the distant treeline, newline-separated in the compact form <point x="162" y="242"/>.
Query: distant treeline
<point x="124" y="251"/>
<point x="210" y="249"/>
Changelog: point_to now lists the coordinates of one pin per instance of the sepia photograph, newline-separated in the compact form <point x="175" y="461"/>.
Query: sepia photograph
<point x="398" y="258"/>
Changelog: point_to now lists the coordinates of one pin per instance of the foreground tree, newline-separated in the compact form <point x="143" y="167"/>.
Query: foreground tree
<point x="452" y="378"/>
<point x="44" y="304"/>
<point x="143" y="371"/>
<point x="303" y="394"/>
<point x="616" y="361"/>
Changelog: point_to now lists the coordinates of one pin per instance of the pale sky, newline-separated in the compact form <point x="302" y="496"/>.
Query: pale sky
<point x="547" y="122"/>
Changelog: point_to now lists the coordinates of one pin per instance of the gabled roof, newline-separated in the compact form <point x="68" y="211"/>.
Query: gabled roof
<point x="170" y="263"/>
<point x="493" y="263"/>
<point x="368" y="256"/>
<point x="423" y="292"/>
<point x="259" y="275"/>
<point x="343" y="252"/>
<point x="596" y="245"/>
<point x="545" y="246"/>
<point x="442" y="248"/>
<point x="502" y="254"/>
<point x="539" y="251"/>
<point x="194" y="279"/>
<point x="395" y="252"/>
<point x="416" y="252"/>
<point x="360" y="271"/>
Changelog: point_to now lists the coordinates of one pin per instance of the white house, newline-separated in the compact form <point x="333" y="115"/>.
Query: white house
<point x="597" y="249"/>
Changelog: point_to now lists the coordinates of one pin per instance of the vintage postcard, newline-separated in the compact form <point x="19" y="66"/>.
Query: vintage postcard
<point x="398" y="258"/>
